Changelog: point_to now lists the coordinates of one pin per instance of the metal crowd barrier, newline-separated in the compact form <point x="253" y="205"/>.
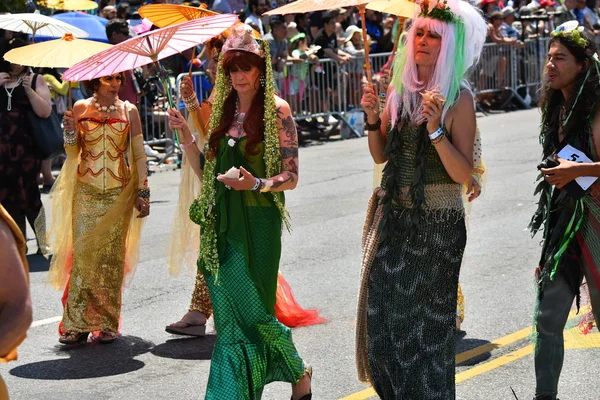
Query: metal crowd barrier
<point x="153" y="115"/>
<point x="327" y="88"/>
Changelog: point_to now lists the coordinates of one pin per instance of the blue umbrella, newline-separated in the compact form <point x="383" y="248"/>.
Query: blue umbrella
<point x="92" y="24"/>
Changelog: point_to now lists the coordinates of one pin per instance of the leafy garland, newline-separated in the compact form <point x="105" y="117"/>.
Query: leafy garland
<point x="203" y="209"/>
<point x="572" y="35"/>
<point x="442" y="12"/>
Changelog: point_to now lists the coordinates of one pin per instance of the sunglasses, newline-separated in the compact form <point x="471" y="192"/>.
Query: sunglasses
<point x="110" y="79"/>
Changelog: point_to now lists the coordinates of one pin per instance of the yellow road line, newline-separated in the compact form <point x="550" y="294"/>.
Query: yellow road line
<point x="498" y="362"/>
<point x="362" y="395"/>
<point x="488" y="347"/>
<point x="495" y="363"/>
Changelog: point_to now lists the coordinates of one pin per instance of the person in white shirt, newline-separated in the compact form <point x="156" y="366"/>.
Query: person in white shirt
<point x="257" y="8"/>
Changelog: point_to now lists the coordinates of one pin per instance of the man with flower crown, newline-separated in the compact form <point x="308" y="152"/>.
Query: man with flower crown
<point x="569" y="204"/>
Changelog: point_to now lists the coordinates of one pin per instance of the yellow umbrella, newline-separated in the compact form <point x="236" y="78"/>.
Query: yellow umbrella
<point x="402" y="8"/>
<point x="163" y="15"/>
<point x="59" y="53"/>
<point x="69" y="5"/>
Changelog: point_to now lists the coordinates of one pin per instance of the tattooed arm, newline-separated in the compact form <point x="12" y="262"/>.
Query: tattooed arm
<point x="288" y="142"/>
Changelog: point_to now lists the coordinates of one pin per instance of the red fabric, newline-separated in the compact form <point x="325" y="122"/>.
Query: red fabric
<point x="289" y="312"/>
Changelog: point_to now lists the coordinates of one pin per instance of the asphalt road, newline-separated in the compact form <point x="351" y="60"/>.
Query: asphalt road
<point x="321" y="260"/>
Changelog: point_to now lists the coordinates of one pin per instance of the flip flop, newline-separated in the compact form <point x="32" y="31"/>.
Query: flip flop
<point x="187" y="330"/>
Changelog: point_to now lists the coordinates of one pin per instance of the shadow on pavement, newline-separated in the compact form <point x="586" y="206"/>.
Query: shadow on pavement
<point x="187" y="348"/>
<point x="463" y="345"/>
<point x="89" y="360"/>
<point x="38" y="263"/>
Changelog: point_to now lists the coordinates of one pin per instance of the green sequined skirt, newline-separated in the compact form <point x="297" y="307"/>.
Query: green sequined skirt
<point x="253" y="348"/>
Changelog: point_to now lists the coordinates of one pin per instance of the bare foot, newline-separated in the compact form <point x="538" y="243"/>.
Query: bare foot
<point x="190" y="318"/>
<point x="303" y="387"/>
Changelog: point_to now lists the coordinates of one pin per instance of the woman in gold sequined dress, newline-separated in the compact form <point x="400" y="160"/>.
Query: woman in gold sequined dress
<point x="95" y="231"/>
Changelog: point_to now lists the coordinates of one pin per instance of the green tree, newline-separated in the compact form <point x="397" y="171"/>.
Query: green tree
<point x="13" y="6"/>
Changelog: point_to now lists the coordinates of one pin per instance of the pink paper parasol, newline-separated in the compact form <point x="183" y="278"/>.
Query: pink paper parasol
<point x="149" y="47"/>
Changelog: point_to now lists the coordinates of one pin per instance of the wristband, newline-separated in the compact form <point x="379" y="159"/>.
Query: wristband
<point x="435" y="135"/>
<point x="256" y="184"/>
<point x="28" y="92"/>
<point x="186" y="145"/>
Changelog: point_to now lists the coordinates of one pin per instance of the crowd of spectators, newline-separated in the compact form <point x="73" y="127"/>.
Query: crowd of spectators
<point x="300" y="43"/>
<point x="515" y="25"/>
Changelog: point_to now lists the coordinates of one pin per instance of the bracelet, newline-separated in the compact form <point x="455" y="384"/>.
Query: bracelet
<point x="437" y="140"/>
<point x="28" y="92"/>
<point x="435" y="135"/>
<point x="192" y="107"/>
<point x="256" y="185"/>
<point x="69" y="138"/>
<point x="373" y="127"/>
<point x="190" y="97"/>
<point x="186" y="145"/>
<point x="382" y="96"/>
<point x="144" y="193"/>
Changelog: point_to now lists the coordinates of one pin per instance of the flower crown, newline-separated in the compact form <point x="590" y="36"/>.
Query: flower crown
<point x="572" y="31"/>
<point x="440" y="11"/>
<point x="242" y="39"/>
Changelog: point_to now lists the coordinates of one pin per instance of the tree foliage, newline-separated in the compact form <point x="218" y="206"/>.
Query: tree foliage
<point x="13" y="6"/>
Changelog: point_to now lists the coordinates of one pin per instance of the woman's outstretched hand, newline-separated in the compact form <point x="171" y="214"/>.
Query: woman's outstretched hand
<point x="245" y="182"/>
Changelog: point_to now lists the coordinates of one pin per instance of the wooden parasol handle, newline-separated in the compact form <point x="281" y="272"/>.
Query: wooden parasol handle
<point x="361" y="10"/>
<point x="192" y="61"/>
<point x="398" y="34"/>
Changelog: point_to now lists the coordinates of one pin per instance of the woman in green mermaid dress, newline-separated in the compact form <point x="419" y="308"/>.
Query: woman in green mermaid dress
<point x="251" y="158"/>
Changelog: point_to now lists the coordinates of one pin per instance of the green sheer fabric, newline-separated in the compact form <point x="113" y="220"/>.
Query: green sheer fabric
<point x="253" y="348"/>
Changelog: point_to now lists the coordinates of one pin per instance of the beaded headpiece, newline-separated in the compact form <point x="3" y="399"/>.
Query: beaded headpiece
<point x="242" y="39"/>
<point x="441" y="11"/>
<point x="572" y="31"/>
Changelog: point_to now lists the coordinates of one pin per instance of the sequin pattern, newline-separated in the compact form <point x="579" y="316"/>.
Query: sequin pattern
<point x="252" y="348"/>
<point x="94" y="291"/>
<point x="201" y="297"/>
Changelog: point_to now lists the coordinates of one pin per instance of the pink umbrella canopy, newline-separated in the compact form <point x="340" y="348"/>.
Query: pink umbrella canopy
<point x="150" y="47"/>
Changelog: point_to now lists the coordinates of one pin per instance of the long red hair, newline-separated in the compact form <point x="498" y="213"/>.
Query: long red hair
<point x="254" y="124"/>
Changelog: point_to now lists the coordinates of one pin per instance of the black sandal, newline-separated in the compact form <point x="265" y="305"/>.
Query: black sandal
<point x="107" y="337"/>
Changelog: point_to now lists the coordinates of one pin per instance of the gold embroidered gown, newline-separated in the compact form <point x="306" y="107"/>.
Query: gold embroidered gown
<point x="95" y="204"/>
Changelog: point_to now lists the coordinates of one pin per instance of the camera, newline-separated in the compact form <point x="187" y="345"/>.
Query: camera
<point x="548" y="162"/>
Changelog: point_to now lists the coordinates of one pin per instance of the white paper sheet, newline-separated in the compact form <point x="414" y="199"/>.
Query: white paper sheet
<point x="572" y="154"/>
